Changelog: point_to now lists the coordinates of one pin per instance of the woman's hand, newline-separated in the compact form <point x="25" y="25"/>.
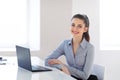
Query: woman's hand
<point x="54" y="61"/>
<point x="65" y="70"/>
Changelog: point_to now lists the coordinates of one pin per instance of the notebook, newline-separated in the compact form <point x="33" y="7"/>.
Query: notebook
<point x="24" y="60"/>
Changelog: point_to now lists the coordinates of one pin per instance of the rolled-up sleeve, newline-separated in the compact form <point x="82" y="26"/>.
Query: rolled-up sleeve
<point x="55" y="54"/>
<point x="85" y="72"/>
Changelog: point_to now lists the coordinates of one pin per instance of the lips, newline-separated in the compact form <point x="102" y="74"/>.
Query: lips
<point x="75" y="32"/>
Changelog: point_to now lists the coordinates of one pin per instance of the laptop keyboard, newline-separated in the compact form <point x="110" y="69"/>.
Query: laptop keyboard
<point x="38" y="68"/>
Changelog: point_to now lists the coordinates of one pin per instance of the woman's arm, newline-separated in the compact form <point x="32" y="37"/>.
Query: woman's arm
<point x="54" y="55"/>
<point x="84" y="74"/>
<point x="60" y="65"/>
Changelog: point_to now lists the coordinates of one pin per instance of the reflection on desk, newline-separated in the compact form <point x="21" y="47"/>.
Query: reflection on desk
<point x="11" y="71"/>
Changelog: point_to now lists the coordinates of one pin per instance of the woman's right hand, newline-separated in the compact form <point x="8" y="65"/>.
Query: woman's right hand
<point x="65" y="70"/>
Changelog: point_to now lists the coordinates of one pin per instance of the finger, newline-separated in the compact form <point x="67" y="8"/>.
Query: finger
<point x="51" y="62"/>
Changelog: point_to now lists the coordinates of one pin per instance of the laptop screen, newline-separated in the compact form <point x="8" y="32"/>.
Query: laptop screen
<point x="23" y="57"/>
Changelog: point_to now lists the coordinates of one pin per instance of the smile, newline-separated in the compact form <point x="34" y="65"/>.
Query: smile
<point x="75" y="32"/>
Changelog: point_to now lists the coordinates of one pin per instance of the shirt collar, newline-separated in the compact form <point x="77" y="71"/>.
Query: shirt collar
<point x="82" y="44"/>
<point x="70" y="42"/>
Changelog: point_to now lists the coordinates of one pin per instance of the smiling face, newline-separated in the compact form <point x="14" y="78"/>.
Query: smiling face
<point x="78" y="27"/>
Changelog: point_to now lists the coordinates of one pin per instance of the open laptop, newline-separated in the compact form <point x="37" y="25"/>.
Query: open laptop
<point x="24" y="60"/>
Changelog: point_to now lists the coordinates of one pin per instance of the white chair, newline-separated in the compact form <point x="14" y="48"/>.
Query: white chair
<point x="98" y="70"/>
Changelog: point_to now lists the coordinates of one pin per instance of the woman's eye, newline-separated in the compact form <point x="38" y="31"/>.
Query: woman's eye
<point x="79" y="26"/>
<point x="73" y="25"/>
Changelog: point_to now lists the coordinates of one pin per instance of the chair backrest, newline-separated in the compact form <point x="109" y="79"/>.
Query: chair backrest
<point x="98" y="70"/>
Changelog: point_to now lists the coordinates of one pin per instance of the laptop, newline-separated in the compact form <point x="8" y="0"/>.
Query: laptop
<point x="24" y="60"/>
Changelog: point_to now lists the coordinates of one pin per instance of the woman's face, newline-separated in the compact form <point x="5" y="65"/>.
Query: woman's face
<point x="78" y="27"/>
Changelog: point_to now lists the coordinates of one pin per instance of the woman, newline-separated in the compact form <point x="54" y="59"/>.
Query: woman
<point x="78" y="51"/>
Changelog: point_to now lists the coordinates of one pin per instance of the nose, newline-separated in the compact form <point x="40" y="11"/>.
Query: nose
<point x="75" y="28"/>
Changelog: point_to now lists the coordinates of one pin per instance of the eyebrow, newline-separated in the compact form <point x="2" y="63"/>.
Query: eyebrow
<point x="77" y="24"/>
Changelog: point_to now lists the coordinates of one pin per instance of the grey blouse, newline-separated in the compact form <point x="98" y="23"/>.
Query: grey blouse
<point x="80" y="64"/>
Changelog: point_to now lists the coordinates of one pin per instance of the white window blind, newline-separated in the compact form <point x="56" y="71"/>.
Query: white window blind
<point x="109" y="25"/>
<point x="19" y="24"/>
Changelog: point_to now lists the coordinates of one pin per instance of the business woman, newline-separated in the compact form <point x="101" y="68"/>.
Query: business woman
<point x="78" y="51"/>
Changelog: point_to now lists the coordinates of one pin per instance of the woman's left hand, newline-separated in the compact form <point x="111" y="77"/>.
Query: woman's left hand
<point x="54" y="61"/>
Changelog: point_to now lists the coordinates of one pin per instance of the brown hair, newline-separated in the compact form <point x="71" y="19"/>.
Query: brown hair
<point x="86" y="21"/>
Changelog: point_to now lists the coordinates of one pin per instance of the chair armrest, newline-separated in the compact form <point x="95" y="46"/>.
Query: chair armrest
<point x="98" y="70"/>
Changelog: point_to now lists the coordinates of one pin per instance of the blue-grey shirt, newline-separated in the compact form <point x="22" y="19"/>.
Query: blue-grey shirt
<point x="80" y="64"/>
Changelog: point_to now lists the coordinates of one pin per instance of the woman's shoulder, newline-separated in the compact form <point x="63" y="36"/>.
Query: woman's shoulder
<point x="90" y="46"/>
<point x="86" y="44"/>
<point x="66" y="41"/>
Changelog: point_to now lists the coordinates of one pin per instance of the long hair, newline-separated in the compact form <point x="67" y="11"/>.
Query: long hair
<point x="86" y="21"/>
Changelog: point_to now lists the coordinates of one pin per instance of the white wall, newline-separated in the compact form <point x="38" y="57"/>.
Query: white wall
<point x="108" y="59"/>
<point x="55" y="24"/>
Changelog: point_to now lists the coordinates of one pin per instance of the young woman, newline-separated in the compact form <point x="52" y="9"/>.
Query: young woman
<point x="78" y="51"/>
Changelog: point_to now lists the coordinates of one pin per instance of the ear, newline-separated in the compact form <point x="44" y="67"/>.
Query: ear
<point x="85" y="29"/>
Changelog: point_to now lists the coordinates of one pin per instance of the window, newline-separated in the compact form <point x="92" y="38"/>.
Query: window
<point x="19" y="24"/>
<point x="109" y="25"/>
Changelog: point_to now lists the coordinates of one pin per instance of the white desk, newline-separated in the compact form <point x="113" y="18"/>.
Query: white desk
<point x="11" y="71"/>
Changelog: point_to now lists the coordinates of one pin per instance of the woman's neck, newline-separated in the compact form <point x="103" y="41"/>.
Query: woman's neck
<point x="77" y="40"/>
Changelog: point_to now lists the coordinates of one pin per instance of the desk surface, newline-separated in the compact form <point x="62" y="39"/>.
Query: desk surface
<point x="11" y="71"/>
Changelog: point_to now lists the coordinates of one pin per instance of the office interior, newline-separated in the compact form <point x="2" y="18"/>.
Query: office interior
<point x="55" y="18"/>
